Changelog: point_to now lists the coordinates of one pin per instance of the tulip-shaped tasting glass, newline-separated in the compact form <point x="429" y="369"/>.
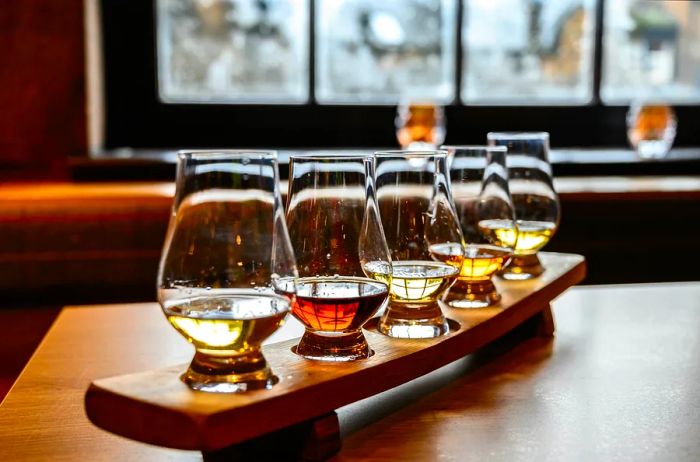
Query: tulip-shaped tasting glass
<point x="335" y="230"/>
<point x="420" y="126"/>
<point x="226" y="246"/>
<point x="535" y="201"/>
<point x="417" y="212"/>
<point x="479" y="183"/>
<point x="651" y="128"/>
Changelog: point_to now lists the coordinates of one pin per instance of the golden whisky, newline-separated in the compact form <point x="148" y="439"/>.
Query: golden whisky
<point x="527" y="239"/>
<point x="476" y="262"/>
<point x="228" y="324"/>
<point x="413" y="281"/>
<point x="650" y="122"/>
<point x="420" y="123"/>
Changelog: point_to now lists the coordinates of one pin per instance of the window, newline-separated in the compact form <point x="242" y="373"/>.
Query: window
<point x="233" y="50"/>
<point x="326" y="73"/>
<point x="381" y="52"/>
<point x="528" y="52"/>
<point x="525" y="52"/>
<point x="651" y="50"/>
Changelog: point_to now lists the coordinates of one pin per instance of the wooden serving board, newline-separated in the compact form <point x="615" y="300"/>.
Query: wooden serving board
<point x="156" y="407"/>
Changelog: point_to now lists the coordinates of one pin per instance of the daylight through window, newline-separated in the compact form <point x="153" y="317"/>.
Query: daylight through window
<point x="512" y="52"/>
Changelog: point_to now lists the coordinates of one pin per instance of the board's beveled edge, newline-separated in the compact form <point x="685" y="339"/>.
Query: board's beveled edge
<point x="97" y="406"/>
<point x="213" y="430"/>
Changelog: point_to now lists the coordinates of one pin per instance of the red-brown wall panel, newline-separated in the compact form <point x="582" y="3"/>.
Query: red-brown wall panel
<point x="42" y="87"/>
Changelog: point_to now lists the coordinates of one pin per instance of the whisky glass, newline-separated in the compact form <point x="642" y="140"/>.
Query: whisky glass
<point x="417" y="212"/>
<point x="420" y="125"/>
<point x="334" y="226"/>
<point x="534" y="199"/>
<point x="651" y="129"/>
<point x="225" y="250"/>
<point x="479" y="183"/>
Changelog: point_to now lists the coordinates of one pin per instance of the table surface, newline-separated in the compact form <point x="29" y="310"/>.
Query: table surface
<point x="618" y="382"/>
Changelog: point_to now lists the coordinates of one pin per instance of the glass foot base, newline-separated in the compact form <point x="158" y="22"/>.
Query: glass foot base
<point x="229" y="374"/>
<point x="218" y="384"/>
<point x="333" y="346"/>
<point x="522" y="267"/>
<point x="472" y="294"/>
<point x="401" y="321"/>
<point x="653" y="149"/>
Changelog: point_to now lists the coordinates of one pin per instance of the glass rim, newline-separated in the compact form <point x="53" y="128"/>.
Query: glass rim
<point x="474" y="147"/>
<point x="311" y="156"/>
<point x="218" y="154"/>
<point x="419" y="101"/>
<point x="517" y="135"/>
<point x="651" y="100"/>
<point x="406" y="153"/>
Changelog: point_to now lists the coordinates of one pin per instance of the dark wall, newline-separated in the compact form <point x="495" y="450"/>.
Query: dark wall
<point x="628" y="240"/>
<point x="42" y="87"/>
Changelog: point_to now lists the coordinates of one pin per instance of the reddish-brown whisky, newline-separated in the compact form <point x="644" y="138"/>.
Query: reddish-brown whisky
<point x="337" y="304"/>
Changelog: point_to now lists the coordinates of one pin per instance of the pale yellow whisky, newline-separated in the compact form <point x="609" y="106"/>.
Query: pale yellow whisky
<point x="413" y="281"/>
<point x="527" y="239"/>
<point x="476" y="262"/>
<point x="228" y="324"/>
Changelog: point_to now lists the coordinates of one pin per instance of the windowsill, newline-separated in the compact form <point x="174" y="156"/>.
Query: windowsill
<point x="152" y="164"/>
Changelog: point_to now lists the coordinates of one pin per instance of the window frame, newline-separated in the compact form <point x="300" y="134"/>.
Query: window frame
<point x="137" y="117"/>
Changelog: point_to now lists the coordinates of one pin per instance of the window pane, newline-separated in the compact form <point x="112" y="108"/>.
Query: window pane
<point x="233" y="50"/>
<point x="382" y="52"/>
<point x="651" y="50"/>
<point x="528" y="51"/>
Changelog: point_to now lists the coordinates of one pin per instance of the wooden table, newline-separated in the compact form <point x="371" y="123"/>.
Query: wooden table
<point x="619" y="382"/>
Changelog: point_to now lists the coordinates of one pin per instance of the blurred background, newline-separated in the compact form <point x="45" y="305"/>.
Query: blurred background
<point x="295" y="74"/>
<point x="328" y="73"/>
<point x="512" y="51"/>
<point x="138" y="78"/>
